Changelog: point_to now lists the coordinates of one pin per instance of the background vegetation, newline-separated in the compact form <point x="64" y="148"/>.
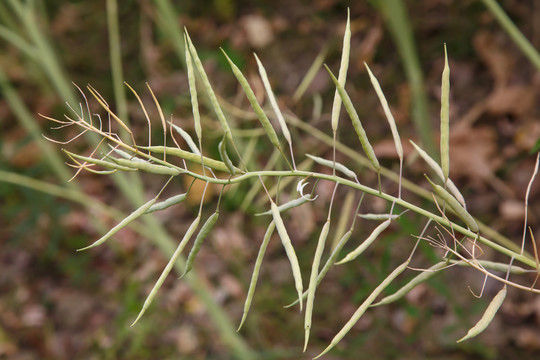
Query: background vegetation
<point x="58" y="304"/>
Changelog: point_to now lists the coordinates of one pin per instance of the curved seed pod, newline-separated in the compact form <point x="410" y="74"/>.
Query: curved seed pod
<point x="288" y="205"/>
<point x="455" y="206"/>
<point x="313" y="280"/>
<point x="488" y="316"/>
<point x="222" y="147"/>
<point x="189" y="156"/>
<point x="362" y="309"/>
<point x="162" y="205"/>
<point x="193" y="92"/>
<point x="273" y="101"/>
<point x="256" y="270"/>
<point x="289" y="249"/>
<point x="203" y="233"/>
<point x="187" y="138"/>
<point x="122" y="224"/>
<point x="147" y="167"/>
<point x="329" y="163"/>
<point x="342" y="76"/>
<point x="418" y="279"/>
<point x="445" y="119"/>
<point x="437" y="169"/>
<point x="168" y="267"/>
<point x="104" y="163"/>
<point x="372" y="237"/>
<point x="366" y="145"/>
<point x="208" y="88"/>
<point x="261" y="115"/>
<point x="331" y="260"/>
<point x="387" y="112"/>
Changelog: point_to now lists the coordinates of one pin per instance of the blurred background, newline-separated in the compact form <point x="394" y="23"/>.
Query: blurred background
<point x="56" y="303"/>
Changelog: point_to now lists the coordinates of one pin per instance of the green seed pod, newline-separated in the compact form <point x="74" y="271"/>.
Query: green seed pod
<point x="256" y="270"/>
<point x="313" y="280"/>
<point x="371" y="238"/>
<point x="287" y="206"/>
<point x="362" y="309"/>
<point x="455" y="206"/>
<point x="189" y="233"/>
<point x="329" y="163"/>
<point x="222" y="147"/>
<point x="162" y="205"/>
<point x="203" y="233"/>
<point x="289" y="249"/>
<point x="149" y="168"/>
<point x="122" y="224"/>
<point x="488" y="316"/>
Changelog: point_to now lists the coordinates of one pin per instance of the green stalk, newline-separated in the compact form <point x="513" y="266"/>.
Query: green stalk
<point x="511" y="29"/>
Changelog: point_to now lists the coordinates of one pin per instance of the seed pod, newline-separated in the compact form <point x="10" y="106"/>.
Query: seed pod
<point x="387" y="112"/>
<point x="437" y="169"/>
<point x="362" y="309"/>
<point x="122" y="224"/>
<point x="289" y="249"/>
<point x="288" y="205"/>
<point x="168" y="267"/>
<point x="203" y="233"/>
<point x="445" y="119"/>
<point x="364" y="141"/>
<point x="189" y="156"/>
<point x="222" y="147"/>
<point x="488" y="316"/>
<point x="371" y="238"/>
<point x="256" y="270"/>
<point x="329" y="163"/>
<point x="418" y="279"/>
<point x="208" y="88"/>
<point x="104" y="163"/>
<point x="162" y="205"/>
<point x="261" y="115"/>
<point x="147" y="167"/>
<point x="342" y="76"/>
<point x="313" y="280"/>
<point x="455" y="206"/>
<point x="193" y="92"/>
<point x="187" y="138"/>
